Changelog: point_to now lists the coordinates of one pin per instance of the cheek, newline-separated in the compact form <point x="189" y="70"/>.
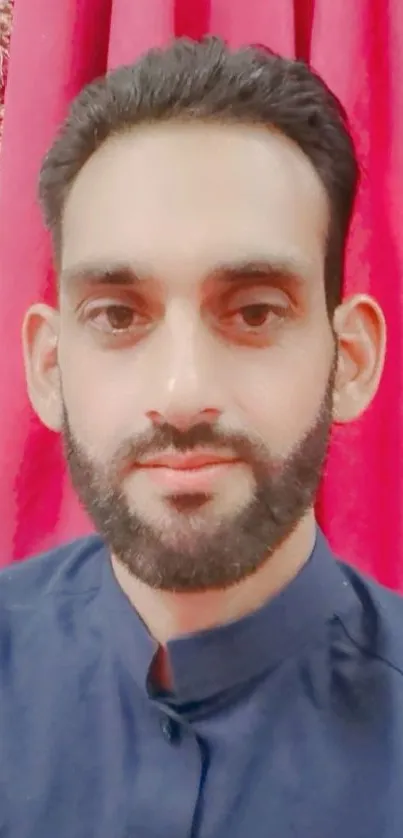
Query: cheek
<point x="279" y="393"/>
<point x="100" y="398"/>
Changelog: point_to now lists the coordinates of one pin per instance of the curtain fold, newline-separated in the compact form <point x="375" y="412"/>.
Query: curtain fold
<point x="6" y="19"/>
<point x="252" y="21"/>
<point x="362" y="495"/>
<point x="136" y="26"/>
<point x="357" y="46"/>
<point x="67" y="46"/>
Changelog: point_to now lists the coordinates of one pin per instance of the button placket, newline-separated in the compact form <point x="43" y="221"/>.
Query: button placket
<point x="169" y="729"/>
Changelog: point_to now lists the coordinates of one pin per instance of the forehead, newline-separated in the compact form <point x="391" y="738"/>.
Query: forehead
<point x="183" y="197"/>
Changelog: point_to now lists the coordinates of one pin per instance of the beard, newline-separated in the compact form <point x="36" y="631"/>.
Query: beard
<point x="205" y="557"/>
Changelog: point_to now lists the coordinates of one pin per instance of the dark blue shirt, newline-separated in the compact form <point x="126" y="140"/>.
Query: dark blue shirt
<point x="287" y="723"/>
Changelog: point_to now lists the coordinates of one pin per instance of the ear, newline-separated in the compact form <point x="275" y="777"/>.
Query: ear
<point x="40" y="334"/>
<point x="360" y="329"/>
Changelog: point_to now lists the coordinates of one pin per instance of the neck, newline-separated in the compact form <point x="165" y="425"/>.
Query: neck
<point x="168" y="615"/>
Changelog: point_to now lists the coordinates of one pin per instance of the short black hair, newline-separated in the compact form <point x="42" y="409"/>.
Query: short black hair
<point x="206" y="80"/>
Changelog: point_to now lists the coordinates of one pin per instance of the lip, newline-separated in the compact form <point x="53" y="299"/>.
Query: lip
<point x="187" y="473"/>
<point x="186" y="461"/>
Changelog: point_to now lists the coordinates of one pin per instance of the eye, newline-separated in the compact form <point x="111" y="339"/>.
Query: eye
<point x="255" y="315"/>
<point x="115" y="318"/>
<point x="119" y="318"/>
<point x="255" y="318"/>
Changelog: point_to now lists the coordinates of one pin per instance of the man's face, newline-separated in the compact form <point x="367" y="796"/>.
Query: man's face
<point x="195" y="353"/>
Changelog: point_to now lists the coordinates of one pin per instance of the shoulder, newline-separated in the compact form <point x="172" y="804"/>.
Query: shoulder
<point x="49" y="637"/>
<point x="34" y="591"/>
<point x="378" y="632"/>
<point x="67" y="569"/>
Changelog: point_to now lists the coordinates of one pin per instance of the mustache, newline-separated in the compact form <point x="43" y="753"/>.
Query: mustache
<point x="203" y="435"/>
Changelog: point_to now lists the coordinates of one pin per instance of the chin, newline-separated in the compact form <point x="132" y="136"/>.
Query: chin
<point x="180" y="527"/>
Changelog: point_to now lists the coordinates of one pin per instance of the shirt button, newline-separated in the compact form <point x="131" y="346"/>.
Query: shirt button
<point x="169" y="729"/>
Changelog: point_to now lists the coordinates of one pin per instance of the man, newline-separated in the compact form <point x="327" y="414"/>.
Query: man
<point x="202" y="666"/>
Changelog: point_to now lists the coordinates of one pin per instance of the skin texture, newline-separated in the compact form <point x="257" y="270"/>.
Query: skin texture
<point x="192" y="315"/>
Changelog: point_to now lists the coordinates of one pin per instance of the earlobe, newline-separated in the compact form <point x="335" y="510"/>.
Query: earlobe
<point x="40" y="342"/>
<point x="360" y="329"/>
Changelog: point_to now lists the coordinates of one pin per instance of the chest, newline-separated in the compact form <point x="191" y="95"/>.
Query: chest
<point x="101" y="759"/>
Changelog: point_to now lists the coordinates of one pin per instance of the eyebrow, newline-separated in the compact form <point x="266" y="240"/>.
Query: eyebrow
<point x="290" y="268"/>
<point x="100" y="273"/>
<point x="281" y="267"/>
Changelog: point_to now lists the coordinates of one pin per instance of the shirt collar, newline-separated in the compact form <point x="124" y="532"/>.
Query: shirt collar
<point x="219" y="659"/>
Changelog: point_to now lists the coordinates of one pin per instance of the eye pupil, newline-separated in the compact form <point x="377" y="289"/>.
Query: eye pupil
<point x="255" y="315"/>
<point x="120" y="317"/>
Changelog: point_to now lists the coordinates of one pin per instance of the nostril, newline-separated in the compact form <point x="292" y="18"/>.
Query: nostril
<point x="155" y="417"/>
<point x="184" y="420"/>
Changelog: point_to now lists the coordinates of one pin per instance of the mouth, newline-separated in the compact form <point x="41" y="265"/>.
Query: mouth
<point x="192" y="472"/>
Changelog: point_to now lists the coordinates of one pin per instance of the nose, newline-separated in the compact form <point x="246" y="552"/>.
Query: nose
<point x="189" y="391"/>
<point x="184" y="420"/>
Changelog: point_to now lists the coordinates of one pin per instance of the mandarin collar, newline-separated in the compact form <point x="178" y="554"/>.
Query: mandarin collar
<point x="216" y="660"/>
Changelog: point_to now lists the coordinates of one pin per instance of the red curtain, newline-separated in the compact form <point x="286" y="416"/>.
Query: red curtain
<point x="56" y="48"/>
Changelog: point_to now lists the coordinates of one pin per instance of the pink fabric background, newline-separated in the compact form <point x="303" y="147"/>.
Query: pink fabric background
<point x="57" y="47"/>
